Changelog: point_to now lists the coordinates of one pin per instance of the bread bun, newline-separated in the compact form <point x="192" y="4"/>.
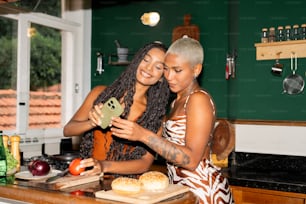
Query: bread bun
<point x="153" y="181"/>
<point x="126" y="186"/>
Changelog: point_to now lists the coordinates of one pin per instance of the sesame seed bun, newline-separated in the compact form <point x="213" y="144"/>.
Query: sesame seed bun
<point x="126" y="186"/>
<point x="153" y="181"/>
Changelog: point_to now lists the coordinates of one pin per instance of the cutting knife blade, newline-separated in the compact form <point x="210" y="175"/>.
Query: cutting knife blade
<point x="57" y="176"/>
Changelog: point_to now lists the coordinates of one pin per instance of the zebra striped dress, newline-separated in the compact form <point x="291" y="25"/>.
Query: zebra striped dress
<point x="206" y="181"/>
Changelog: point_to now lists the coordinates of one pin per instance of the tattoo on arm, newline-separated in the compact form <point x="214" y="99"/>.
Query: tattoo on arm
<point x="169" y="151"/>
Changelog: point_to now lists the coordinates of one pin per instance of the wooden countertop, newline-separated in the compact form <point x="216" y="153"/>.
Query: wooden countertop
<point x="38" y="196"/>
<point x="25" y="191"/>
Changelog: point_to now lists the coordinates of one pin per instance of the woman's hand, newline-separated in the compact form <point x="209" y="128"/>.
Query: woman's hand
<point x="95" y="115"/>
<point x="127" y="129"/>
<point x="91" y="162"/>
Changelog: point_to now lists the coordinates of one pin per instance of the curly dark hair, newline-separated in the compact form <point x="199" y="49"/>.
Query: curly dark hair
<point x="124" y="86"/>
<point x="157" y="95"/>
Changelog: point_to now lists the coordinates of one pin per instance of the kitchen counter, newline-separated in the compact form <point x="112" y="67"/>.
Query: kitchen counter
<point x="280" y="180"/>
<point x="257" y="171"/>
<point x="21" y="190"/>
<point x="265" y="171"/>
<point x="271" y="172"/>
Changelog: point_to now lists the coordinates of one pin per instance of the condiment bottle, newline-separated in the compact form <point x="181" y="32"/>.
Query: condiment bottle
<point x="280" y="33"/>
<point x="3" y="165"/>
<point x="272" y="34"/>
<point x="264" y="35"/>
<point x="288" y="35"/>
<point x="296" y="33"/>
<point x="5" y="140"/>
<point x="303" y="32"/>
<point x="15" y="141"/>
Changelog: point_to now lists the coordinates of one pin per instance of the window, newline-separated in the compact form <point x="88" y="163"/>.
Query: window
<point x="8" y="73"/>
<point x="28" y="74"/>
<point x="45" y="77"/>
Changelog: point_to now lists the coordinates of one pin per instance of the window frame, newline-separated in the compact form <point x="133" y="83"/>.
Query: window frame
<point x="75" y="80"/>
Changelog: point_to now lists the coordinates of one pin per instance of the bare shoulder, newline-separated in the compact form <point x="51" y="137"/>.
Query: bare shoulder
<point x="94" y="93"/>
<point x="201" y="96"/>
<point x="97" y="90"/>
<point x="200" y="99"/>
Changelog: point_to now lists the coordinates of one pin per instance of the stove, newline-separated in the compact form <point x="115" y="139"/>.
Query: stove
<point x="58" y="162"/>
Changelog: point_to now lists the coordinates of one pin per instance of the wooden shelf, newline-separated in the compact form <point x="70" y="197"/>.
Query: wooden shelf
<point x="280" y="50"/>
<point x="119" y="63"/>
<point x="113" y="60"/>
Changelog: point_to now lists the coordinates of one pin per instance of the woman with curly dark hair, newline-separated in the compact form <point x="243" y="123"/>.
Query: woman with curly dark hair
<point x="143" y="93"/>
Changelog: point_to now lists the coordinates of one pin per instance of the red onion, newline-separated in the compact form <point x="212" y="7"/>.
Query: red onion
<point x="39" y="167"/>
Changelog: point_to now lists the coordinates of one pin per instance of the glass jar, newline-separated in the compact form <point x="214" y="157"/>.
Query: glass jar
<point x="296" y="32"/>
<point x="288" y="35"/>
<point x="272" y="34"/>
<point x="264" y="35"/>
<point x="303" y="32"/>
<point x="280" y="33"/>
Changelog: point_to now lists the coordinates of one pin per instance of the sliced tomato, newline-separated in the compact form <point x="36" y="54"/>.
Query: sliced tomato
<point x="74" y="167"/>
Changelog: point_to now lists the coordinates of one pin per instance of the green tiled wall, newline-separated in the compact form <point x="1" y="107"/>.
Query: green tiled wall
<point x="255" y="93"/>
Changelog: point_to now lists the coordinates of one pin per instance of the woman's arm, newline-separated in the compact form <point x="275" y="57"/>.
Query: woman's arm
<point x="136" y="166"/>
<point x="200" y="120"/>
<point x="128" y="167"/>
<point x="80" y="122"/>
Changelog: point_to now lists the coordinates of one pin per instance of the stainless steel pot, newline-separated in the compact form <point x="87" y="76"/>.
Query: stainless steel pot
<point x="68" y="157"/>
<point x="62" y="161"/>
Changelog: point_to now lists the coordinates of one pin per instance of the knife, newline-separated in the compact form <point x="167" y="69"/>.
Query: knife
<point x="59" y="175"/>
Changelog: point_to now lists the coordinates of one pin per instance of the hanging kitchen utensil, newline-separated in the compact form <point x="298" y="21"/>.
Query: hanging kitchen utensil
<point x="277" y="68"/>
<point x="294" y="83"/>
<point x="227" y="68"/>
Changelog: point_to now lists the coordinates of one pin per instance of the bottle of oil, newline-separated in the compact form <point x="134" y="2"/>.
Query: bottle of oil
<point x="15" y="140"/>
<point x="3" y="165"/>
<point x="5" y="139"/>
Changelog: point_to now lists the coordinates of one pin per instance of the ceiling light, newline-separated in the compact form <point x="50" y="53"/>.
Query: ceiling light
<point x="150" y="19"/>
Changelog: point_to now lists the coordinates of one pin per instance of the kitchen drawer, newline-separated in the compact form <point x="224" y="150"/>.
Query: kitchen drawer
<point x="245" y="195"/>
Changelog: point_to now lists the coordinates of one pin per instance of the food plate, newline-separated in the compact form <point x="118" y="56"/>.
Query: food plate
<point x="26" y="175"/>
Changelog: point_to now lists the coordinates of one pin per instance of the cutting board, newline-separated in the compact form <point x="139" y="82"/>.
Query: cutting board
<point x="70" y="181"/>
<point x="223" y="141"/>
<point x="144" y="197"/>
<point x="65" y="182"/>
<point x="192" y="31"/>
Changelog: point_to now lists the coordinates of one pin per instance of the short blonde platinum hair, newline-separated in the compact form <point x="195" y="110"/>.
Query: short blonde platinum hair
<point x="188" y="48"/>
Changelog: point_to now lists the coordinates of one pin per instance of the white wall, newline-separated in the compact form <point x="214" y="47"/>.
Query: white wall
<point x="283" y="140"/>
<point x="79" y="71"/>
